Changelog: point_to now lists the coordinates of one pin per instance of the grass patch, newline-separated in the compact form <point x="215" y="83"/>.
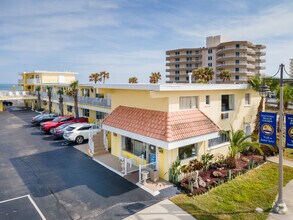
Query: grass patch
<point x="238" y="198"/>
<point x="288" y="154"/>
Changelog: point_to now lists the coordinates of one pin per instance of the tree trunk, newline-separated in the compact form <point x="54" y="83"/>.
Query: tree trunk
<point x="76" y="104"/>
<point x="257" y="121"/>
<point x="50" y="103"/>
<point x="61" y="105"/>
<point x="39" y="100"/>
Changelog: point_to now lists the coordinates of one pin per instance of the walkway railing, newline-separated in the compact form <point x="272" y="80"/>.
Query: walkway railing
<point x="147" y="167"/>
<point x="15" y="93"/>
<point x="100" y="102"/>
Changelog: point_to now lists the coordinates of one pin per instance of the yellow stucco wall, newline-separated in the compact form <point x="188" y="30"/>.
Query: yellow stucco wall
<point x="92" y="118"/>
<point x="130" y="155"/>
<point x="136" y="98"/>
<point x="1" y="107"/>
<point x="69" y="78"/>
<point x="47" y="78"/>
<point x="115" y="145"/>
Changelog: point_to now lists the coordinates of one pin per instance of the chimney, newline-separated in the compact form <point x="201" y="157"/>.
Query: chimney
<point x="190" y="77"/>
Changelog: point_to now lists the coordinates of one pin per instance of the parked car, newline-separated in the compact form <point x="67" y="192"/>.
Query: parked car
<point x="59" y="131"/>
<point x="49" y="126"/>
<point x="79" y="132"/>
<point x="43" y="118"/>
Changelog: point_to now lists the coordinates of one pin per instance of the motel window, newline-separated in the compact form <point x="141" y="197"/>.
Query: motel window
<point x="210" y="64"/>
<point x="247" y="99"/>
<point x="177" y="65"/>
<point x="197" y="52"/>
<point x="99" y="95"/>
<point x="247" y="129"/>
<point x="237" y="54"/>
<point x="177" y="59"/>
<point x="188" y="102"/>
<point x="210" y="51"/>
<point x="227" y="102"/>
<point x="69" y="108"/>
<point x="218" y="140"/>
<point x="188" y="71"/>
<point x="188" y="65"/>
<point x="237" y="61"/>
<point x="237" y="77"/>
<point x="86" y="112"/>
<point x="207" y="100"/>
<point x="187" y="78"/>
<point x="177" y="72"/>
<point x="237" y="46"/>
<point x="177" y="53"/>
<point x="176" y="78"/>
<point x="237" y="69"/>
<point x="210" y="58"/>
<point x="133" y="146"/>
<point x="188" y="52"/>
<point x="100" y="115"/>
<point x="85" y="92"/>
<point x="189" y="58"/>
<point x="187" y="151"/>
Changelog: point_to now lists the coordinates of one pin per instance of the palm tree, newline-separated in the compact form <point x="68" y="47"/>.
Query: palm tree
<point x="60" y="93"/>
<point x="203" y="74"/>
<point x="132" y="80"/>
<point x="38" y="89"/>
<point x="287" y="95"/>
<point x="73" y="92"/>
<point x="49" y="93"/>
<point x="239" y="142"/>
<point x="225" y="75"/>
<point x="96" y="77"/>
<point x="256" y="83"/>
<point x="105" y="75"/>
<point x="155" y="77"/>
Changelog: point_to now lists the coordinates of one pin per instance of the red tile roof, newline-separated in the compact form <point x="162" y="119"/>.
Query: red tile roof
<point x="165" y="126"/>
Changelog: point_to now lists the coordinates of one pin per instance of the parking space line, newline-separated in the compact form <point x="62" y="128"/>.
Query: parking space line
<point x="8" y="200"/>
<point x="31" y="200"/>
<point x="36" y="207"/>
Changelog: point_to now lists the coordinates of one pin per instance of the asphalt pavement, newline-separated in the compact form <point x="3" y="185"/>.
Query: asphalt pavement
<point x="62" y="181"/>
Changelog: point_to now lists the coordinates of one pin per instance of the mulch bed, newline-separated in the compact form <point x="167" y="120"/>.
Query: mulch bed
<point x="211" y="181"/>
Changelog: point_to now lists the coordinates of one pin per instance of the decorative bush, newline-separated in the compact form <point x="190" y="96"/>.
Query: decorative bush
<point x="195" y="165"/>
<point x="231" y="162"/>
<point x="206" y="159"/>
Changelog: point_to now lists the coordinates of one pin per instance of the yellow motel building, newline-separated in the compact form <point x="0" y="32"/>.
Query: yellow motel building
<point x="151" y="123"/>
<point x="162" y="123"/>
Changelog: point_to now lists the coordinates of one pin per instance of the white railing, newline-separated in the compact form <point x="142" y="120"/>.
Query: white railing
<point x="33" y="81"/>
<point x="15" y="93"/>
<point x="106" y="103"/>
<point x="146" y="167"/>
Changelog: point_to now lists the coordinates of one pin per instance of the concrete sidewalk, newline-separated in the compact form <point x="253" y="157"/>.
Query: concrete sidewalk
<point x="164" y="210"/>
<point x="287" y="192"/>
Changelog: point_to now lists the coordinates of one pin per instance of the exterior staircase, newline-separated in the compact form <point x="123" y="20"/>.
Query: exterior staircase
<point x="98" y="141"/>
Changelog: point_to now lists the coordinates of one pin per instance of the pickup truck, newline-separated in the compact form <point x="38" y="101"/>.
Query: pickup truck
<point x="49" y="126"/>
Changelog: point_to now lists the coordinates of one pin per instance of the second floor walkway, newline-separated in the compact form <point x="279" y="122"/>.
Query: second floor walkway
<point x="16" y="95"/>
<point x="96" y="102"/>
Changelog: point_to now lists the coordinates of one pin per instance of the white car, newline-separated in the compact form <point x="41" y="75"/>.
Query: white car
<point x="79" y="132"/>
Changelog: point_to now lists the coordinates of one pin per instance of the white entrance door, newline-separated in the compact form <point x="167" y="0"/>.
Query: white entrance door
<point x="61" y="79"/>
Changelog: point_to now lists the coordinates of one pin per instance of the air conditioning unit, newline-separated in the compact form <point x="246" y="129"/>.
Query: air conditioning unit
<point x="224" y="115"/>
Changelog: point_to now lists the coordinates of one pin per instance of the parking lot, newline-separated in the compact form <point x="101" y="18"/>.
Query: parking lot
<point x="63" y="182"/>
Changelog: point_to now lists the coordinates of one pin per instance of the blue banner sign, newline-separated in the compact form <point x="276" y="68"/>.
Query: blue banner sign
<point x="289" y="131"/>
<point x="267" y="133"/>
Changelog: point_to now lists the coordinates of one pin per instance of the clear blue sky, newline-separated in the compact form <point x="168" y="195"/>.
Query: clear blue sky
<point x="130" y="37"/>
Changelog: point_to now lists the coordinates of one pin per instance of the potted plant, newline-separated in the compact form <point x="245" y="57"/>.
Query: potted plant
<point x="154" y="174"/>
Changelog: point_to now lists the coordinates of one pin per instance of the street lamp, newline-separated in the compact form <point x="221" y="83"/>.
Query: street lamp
<point x="280" y="206"/>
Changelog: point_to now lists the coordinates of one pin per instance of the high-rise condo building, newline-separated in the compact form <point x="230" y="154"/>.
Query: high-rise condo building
<point x="242" y="59"/>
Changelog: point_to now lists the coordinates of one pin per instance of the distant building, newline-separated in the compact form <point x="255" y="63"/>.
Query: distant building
<point x="241" y="58"/>
<point x="291" y="66"/>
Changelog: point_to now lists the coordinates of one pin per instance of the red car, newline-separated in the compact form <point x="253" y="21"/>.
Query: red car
<point x="49" y="126"/>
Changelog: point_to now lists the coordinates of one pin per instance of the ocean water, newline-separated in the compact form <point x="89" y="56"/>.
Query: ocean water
<point x="8" y="87"/>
